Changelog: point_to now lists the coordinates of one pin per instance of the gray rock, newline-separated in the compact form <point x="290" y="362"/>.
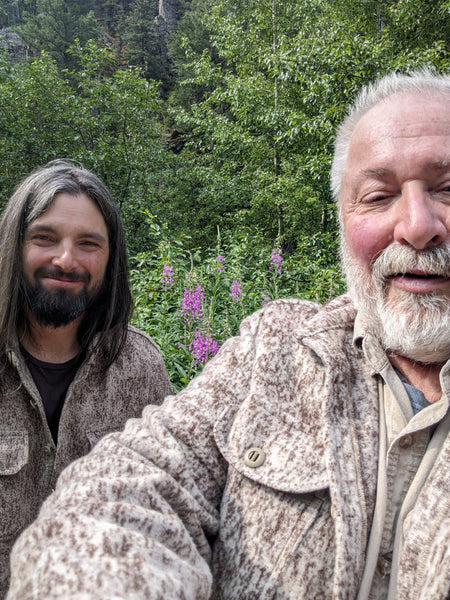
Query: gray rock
<point x="10" y="40"/>
<point x="168" y="13"/>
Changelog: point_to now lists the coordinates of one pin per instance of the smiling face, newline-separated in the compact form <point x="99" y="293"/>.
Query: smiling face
<point x="64" y="257"/>
<point x="395" y="212"/>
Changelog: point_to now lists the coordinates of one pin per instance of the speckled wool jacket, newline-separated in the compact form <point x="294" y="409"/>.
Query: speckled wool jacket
<point x="29" y="461"/>
<point x="174" y="508"/>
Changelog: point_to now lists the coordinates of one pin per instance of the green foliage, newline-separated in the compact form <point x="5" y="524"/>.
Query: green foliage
<point x="143" y="46"/>
<point x="243" y="144"/>
<point x="9" y="13"/>
<point x="190" y="38"/>
<point x="236" y="277"/>
<point x="111" y="15"/>
<point x="32" y="132"/>
<point x="103" y="116"/>
<point x="267" y="93"/>
<point x="54" y="26"/>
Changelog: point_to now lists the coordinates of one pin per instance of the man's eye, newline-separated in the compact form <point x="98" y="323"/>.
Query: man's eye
<point x="375" y="198"/>
<point x="441" y="193"/>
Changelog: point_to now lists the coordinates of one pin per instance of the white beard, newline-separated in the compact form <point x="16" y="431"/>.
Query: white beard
<point x="414" y="325"/>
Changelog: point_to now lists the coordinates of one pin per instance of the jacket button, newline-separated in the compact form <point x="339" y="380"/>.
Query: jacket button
<point x="48" y="450"/>
<point x="405" y="442"/>
<point x="254" y="457"/>
<point x="384" y="565"/>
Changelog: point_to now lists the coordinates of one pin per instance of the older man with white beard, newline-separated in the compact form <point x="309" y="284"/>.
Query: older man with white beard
<point x="310" y="459"/>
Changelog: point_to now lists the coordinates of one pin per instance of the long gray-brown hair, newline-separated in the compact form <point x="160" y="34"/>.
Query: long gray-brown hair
<point x="110" y="312"/>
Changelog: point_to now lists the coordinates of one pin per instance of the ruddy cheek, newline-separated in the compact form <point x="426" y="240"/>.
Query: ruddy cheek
<point x="364" y="240"/>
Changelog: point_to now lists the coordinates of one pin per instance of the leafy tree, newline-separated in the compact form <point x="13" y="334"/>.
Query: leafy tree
<point x="33" y="124"/>
<point x="271" y="88"/>
<point x="104" y="117"/>
<point x="252" y="117"/>
<point x="190" y="38"/>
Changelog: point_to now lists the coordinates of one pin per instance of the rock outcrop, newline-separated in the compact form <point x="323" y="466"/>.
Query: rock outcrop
<point x="168" y="13"/>
<point x="12" y="42"/>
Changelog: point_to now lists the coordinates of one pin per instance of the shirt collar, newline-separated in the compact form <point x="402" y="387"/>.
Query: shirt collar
<point x="375" y="354"/>
<point x="370" y="345"/>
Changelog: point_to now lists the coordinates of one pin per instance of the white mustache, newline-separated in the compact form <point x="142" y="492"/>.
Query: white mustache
<point x="398" y="260"/>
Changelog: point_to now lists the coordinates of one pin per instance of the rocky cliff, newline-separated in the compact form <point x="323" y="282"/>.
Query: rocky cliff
<point x="12" y="42"/>
<point x="168" y="13"/>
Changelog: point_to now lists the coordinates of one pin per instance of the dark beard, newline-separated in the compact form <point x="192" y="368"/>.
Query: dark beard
<point x="54" y="308"/>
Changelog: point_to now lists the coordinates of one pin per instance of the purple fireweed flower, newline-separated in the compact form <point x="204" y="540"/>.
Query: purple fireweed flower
<point x="167" y="276"/>
<point x="236" y="291"/>
<point x="221" y="261"/>
<point x="276" y="261"/>
<point x="203" y="347"/>
<point x="266" y="299"/>
<point x="191" y="305"/>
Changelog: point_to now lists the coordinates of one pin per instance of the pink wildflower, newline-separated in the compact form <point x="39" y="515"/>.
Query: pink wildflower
<point x="266" y="299"/>
<point x="203" y="347"/>
<point x="221" y="261"/>
<point x="236" y="291"/>
<point x="191" y="305"/>
<point x="276" y="261"/>
<point x="167" y="276"/>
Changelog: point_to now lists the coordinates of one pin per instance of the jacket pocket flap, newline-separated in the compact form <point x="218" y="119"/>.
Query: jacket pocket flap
<point x="290" y="460"/>
<point x="13" y="451"/>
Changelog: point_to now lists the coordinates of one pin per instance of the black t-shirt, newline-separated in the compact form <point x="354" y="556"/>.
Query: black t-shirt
<point x="52" y="380"/>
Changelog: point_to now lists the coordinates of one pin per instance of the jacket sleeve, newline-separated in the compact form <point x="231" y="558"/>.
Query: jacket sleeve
<point x="134" y="519"/>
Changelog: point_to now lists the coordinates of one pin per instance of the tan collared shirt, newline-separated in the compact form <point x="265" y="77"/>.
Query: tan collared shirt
<point x="409" y="445"/>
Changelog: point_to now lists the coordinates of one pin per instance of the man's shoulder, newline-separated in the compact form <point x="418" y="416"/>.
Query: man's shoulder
<point x="307" y="316"/>
<point x="140" y="341"/>
<point x="138" y="336"/>
<point x="141" y="359"/>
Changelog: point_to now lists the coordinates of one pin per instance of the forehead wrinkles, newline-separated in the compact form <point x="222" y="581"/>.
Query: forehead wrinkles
<point x="410" y="114"/>
<point x="393" y="157"/>
<point x="430" y="168"/>
<point x="408" y="109"/>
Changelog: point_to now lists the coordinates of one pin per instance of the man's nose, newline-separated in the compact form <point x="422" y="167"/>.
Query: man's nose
<point x="422" y="220"/>
<point x="65" y="257"/>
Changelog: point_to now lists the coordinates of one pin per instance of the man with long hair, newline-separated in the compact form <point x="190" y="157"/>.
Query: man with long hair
<point x="310" y="458"/>
<point x="71" y="368"/>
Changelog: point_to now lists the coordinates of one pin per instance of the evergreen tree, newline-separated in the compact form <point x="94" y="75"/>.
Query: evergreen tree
<point x="145" y="44"/>
<point x="190" y="39"/>
<point x="56" y="24"/>
<point x="9" y="13"/>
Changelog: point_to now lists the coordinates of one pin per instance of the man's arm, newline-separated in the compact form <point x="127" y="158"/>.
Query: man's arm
<point x="133" y="518"/>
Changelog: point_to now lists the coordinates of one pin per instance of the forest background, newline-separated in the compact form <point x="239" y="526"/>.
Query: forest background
<point x="214" y="131"/>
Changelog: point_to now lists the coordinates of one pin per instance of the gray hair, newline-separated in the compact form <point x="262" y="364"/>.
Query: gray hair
<point x="34" y="195"/>
<point x="424" y="81"/>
